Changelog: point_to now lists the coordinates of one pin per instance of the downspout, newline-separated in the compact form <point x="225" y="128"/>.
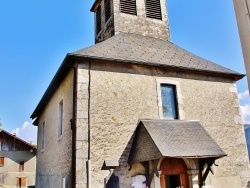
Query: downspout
<point x="73" y="128"/>
<point x="89" y="161"/>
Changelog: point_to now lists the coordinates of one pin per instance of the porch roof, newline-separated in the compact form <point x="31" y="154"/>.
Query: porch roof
<point x="154" y="139"/>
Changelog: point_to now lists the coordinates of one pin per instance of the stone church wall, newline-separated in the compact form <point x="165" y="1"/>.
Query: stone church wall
<point x="122" y="94"/>
<point x="54" y="162"/>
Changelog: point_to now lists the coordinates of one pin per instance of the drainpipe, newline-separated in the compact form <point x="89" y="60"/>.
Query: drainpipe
<point x="89" y="161"/>
<point x="73" y="128"/>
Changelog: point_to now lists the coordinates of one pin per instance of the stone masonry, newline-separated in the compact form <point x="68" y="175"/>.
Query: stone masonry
<point x="122" y="94"/>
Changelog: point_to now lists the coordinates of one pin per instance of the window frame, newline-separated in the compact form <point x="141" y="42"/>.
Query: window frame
<point x="2" y="160"/>
<point x="60" y="119"/>
<point x="43" y="137"/>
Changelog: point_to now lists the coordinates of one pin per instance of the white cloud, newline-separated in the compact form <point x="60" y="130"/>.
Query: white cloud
<point x="16" y="131"/>
<point x="27" y="132"/>
<point x="244" y="95"/>
<point x="245" y="111"/>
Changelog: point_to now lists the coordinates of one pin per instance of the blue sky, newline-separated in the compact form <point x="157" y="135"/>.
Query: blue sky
<point x="36" y="35"/>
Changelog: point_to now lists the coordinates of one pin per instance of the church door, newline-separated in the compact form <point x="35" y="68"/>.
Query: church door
<point x="174" y="173"/>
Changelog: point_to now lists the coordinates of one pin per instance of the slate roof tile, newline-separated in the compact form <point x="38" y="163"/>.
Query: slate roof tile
<point x="133" y="48"/>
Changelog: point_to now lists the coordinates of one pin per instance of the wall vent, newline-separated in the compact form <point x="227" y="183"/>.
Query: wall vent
<point x="153" y="9"/>
<point x="128" y="6"/>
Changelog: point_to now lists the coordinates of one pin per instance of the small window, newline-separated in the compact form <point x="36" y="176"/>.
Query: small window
<point x="169" y="106"/>
<point x="153" y="9"/>
<point x="60" y="119"/>
<point x="1" y="161"/>
<point x="128" y="6"/>
<point x="107" y="10"/>
<point x="21" y="166"/>
<point x="43" y="136"/>
<point x="98" y="18"/>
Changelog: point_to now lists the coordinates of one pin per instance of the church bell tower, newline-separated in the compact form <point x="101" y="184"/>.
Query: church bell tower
<point x="143" y="17"/>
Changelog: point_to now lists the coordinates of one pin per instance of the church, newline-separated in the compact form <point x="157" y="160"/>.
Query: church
<point x="136" y="110"/>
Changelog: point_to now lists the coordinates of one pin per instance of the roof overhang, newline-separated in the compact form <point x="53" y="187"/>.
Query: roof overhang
<point x="95" y="5"/>
<point x="57" y="79"/>
<point x="233" y="76"/>
<point x="154" y="139"/>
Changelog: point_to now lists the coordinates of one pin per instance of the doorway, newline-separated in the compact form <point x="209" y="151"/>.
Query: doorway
<point x="21" y="182"/>
<point x="174" y="173"/>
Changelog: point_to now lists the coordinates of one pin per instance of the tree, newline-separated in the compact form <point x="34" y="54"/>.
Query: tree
<point x="0" y="125"/>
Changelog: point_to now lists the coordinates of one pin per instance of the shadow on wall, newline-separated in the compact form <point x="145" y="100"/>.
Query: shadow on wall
<point x="18" y="156"/>
<point x="113" y="182"/>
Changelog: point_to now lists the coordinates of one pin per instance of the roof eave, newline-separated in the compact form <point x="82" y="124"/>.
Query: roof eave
<point x="63" y="69"/>
<point x="185" y="157"/>
<point x="235" y="76"/>
<point x="95" y="5"/>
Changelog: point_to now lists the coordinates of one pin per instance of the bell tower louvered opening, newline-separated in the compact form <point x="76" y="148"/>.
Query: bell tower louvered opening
<point x="153" y="9"/>
<point x="107" y="9"/>
<point x="142" y="17"/>
<point x="98" y="20"/>
<point x="128" y="6"/>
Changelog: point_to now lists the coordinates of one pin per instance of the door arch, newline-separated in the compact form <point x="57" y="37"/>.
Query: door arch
<point x="174" y="173"/>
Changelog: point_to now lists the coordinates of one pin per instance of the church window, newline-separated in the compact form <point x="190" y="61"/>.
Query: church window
<point x="107" y="9"/>
<point x="128" y="6"/>
<point x="153" y="9"/>
<point x="168" y="97"/>
<point x="98" y="20"/>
